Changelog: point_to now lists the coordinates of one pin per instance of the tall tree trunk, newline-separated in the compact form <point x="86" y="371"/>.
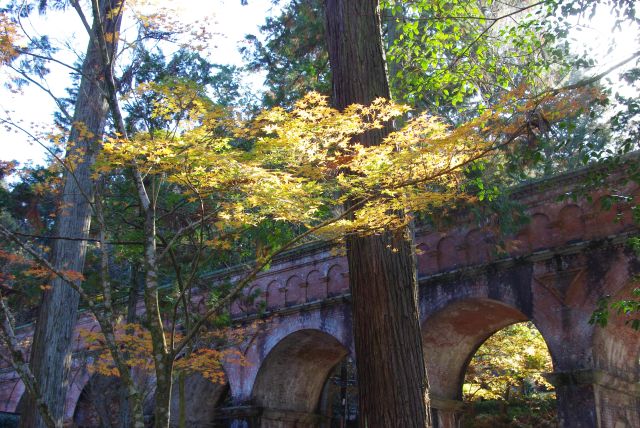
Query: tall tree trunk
<point x="50" y="357"/>
<point x="391" y="372"/>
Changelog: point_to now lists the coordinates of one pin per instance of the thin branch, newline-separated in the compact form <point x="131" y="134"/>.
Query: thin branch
<point x="83" y="17"/>
<point x="48" y="58"/>
<point x="106" y="324"/>
<point x="471" y="17"/>
<point x="44" y="262"/>
<point x="261" y="264"/>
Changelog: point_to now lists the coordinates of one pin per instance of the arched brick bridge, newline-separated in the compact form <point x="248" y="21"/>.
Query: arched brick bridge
<point x="552" y="272"/>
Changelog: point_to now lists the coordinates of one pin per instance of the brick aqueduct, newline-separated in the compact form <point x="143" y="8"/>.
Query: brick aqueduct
<point x="558" y="266"/>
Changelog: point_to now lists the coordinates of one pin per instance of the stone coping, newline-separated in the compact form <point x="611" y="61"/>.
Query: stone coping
<point x="598" y="377"/>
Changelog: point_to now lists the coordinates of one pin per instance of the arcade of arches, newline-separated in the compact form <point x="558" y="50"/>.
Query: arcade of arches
<point x="553" y="273"/>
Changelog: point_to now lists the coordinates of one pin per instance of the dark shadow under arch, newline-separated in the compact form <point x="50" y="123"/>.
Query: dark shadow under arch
<point x="202" y="401"/>
<point x="294" y="372"/>
<point x="98" y="404"/>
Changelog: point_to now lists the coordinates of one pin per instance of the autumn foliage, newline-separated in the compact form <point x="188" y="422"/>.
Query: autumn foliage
<point x="135" y="342"/>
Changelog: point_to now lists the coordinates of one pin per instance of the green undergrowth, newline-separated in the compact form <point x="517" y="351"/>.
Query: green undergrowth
<point x="538" y="411"/>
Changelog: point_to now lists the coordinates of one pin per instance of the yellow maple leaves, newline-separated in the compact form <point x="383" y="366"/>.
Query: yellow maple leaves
<point x="8" y="39"/>
<point x="306" y="162"/>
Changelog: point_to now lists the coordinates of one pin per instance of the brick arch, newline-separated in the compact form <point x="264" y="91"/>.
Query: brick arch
<point x="11" y="401"/>
<point x="316" y="286"/>
<point x="79" y="408"/>
<point x="539" y="231"/>
<point x="276" y="295"/>
<point x="571" y="223"/>
<point x="477" y="246"/>
<point x="202" y="399"/>
<point x="296" y="291"/>
<point x="249" y="300"/>
<point x="427" y="253"/>
<point x="468" y="323"/>
<point x="292" y="375"/>
<point x="335" y="322"/>
<point x="79" y="380"/>
<point x="520" y="243"/>
<point x="447" y="253"/>
<point x="260" y="293"/>
<point x="84" y="413"/>
<point x="608" y="215"/>
<point x="337" y="280"/>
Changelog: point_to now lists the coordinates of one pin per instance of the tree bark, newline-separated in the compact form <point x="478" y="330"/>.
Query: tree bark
<point x="50" y="356"/>
<point x="391" y="372"/>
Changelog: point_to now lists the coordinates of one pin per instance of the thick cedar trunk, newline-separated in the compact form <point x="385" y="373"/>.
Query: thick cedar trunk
<point x="391" y="373"/>
<point x="50" y="355"/>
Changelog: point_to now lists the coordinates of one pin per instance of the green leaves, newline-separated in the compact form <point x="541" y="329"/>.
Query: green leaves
<point x="465" y="54"/>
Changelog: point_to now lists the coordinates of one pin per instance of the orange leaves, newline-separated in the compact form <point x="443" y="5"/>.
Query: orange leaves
<point x="135" y="346"/>
<point x="12" y="257"/>
<point x="41" y="272"/>
<point x="8" y="38"/>
<point x="133" y="341"/>
<point x="208" y="362"/>
<point x="29" y="268"/>
<point x="72" y="275"/>
<point x="189" y="27"/>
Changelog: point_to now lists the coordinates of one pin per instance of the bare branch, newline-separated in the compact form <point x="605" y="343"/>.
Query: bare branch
<point x="65" y="238"/>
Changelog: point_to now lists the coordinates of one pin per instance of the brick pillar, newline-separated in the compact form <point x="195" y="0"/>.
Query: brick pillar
<point x="596" y="398"/>
<point x="446" y="413"/>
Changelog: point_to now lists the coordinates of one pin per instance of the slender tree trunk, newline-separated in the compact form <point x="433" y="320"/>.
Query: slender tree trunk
<point x="161" y="353"/>
<point x="50" y="356"/>
<point x="391" y="373"/>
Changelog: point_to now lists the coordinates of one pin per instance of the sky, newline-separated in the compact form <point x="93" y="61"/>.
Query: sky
<point x="229" y="22"/>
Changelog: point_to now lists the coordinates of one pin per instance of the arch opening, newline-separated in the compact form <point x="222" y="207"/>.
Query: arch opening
<point x="451" y="336"/>
<point x="101" y="403"/>
<point x="505" y="380"/>
<point x="292" y="376"/>
<point x="197" y="401"/>
<point x="339" y="400"/>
